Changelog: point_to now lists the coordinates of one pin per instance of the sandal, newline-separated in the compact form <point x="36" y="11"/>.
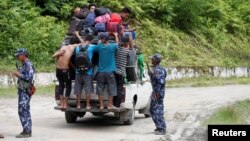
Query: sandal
<point x="113" y="108"/>
<point x="78" y="107"/>
<point x="88" y="108"/>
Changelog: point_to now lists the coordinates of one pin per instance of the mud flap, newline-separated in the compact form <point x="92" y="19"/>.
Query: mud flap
<point x="124" y="116"/>
<point x="146" y="110"/>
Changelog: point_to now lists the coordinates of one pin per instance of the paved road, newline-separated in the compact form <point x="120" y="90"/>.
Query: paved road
<point x="185" y="108"/>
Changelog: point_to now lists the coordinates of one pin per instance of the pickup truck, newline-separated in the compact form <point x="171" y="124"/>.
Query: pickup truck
<point x="136" y="97"/>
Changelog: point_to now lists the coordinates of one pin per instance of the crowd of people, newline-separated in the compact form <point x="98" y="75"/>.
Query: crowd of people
<point x="98" y="27"/>
<point x="113" y="44"/>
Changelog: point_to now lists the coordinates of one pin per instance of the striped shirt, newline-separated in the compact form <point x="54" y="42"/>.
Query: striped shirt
<point x="121" y="58"/>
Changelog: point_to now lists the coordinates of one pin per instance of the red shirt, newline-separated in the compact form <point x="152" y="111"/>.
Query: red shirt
<point x="115" y="17"/>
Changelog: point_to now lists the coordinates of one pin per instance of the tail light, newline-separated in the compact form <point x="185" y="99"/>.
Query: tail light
<point x="123" y="95"/>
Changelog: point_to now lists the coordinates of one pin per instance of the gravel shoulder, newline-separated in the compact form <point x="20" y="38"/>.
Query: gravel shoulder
<point x="185" y="108"/>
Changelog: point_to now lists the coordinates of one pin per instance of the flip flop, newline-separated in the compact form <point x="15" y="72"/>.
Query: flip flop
<point x="88" y="108"/>
<point x="78" y="107"/>
<point x="113" y="108"/>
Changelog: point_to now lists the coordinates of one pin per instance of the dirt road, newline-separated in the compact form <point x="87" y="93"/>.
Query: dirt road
<point x="185" y="108"/>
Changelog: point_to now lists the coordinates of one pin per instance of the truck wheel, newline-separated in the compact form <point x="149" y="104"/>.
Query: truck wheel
<point x="147" y="115"/>
<point x="70" y="117"/>
<point x="131" y="117"/>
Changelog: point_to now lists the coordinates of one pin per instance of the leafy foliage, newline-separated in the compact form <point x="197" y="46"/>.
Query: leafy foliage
<point x="22" y="26"/>
<point x="186" y="32"/>
<point x="61" y="9"/>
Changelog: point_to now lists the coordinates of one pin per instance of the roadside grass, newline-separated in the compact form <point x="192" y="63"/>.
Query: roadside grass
<point x="7" y="67"/>
<point x="237" y="113"/>
<point x="207" y="81"/>
<point x="11" y="92"/>
<point x="189" y="82"/>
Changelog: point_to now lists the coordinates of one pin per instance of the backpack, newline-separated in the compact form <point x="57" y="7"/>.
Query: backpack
<point x="100" y="27"/>
<point x="115" y="17"/>
<point x="90" y="19"/>
<point x="86" y="30"/>
<point x="102" y="19"/>
<point x="82" y="61"/>
<point x="102" y="11"/>
<point x="115" y="27"/>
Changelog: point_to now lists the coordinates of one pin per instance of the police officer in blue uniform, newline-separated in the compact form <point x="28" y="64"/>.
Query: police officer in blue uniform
<point x="25" y="78"/>
<point x="158" y="80"/>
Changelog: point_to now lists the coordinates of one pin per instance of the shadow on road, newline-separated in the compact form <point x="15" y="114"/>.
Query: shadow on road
<point x="98" y="122"/>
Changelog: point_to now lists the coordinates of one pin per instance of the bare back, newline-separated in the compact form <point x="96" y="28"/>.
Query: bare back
<point x="64" y="60"/>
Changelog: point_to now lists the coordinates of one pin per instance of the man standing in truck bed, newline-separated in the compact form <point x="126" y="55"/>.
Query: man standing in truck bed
<point x="63" y="56"/>
<point x="121" y="58"/>
<point x="84" y="79"/>
<point x="106" y="69"/>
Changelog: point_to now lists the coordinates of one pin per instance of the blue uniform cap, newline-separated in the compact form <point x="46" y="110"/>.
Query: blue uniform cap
<point x="21" y="51"/>
<point x="156" y="57"/>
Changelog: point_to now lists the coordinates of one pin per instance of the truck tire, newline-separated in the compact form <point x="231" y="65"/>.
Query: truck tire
<point x="147" y="115"/>
<point x="131" y="117"/>
<point x="70" y="117"/>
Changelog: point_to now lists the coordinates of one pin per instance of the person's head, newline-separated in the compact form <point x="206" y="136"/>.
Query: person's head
<point x="125" y="12"/>
<point x="92" y="7"/>
<point x="125" y="41"/>
<point x="104" y="37"/>
<point x="77" y="11"/>
<point x="22" y="54"/>
<point x="155" y="59"/>
<point x="89" y="38"/>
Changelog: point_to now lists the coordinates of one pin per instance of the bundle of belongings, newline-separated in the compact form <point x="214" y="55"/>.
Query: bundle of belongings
<point x="91" y="20"/>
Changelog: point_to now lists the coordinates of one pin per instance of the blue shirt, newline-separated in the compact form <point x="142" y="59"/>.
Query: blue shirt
<point x="107" y="57"/>
<point x="158" y="80"/>
<point x="90" y="52"/>
<point x="27" y="71"/>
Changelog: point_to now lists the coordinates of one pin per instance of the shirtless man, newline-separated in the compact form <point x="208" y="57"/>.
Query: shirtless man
<point x="63" y="56"/>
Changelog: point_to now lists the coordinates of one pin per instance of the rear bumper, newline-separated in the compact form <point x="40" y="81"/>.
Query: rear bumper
<point x="94" y="102"/>
<point x="92" y="110"/>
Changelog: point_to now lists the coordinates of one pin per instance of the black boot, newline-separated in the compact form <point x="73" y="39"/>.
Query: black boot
<point x="157" y="129"/>
<point x="24" y="135"/>
<point x="160" y="132"/>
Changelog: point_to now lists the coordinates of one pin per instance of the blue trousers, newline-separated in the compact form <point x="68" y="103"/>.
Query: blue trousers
<point x="24" y="110"/>
<point x="157" y="114"/>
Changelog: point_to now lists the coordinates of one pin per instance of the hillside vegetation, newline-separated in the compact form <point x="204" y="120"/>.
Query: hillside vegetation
<point x="185" y="32"/>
